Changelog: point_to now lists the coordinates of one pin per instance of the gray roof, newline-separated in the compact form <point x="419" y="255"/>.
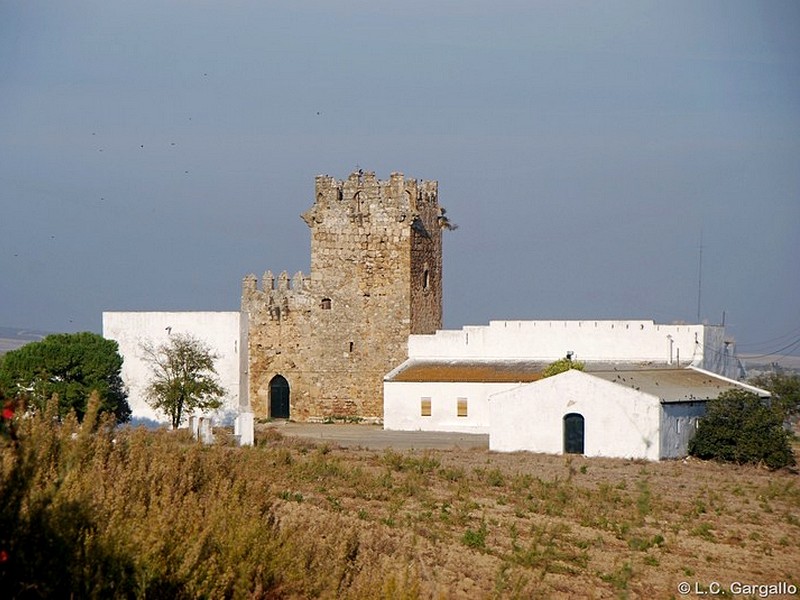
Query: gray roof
<point x="676" y="385"/>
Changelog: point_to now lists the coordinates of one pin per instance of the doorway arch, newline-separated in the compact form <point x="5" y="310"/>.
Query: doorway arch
<point x="573" y="433"/>
<point x="279" y="397"/>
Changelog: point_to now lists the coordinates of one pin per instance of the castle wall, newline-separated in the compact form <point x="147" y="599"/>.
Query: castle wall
<point x="375" y="278"/>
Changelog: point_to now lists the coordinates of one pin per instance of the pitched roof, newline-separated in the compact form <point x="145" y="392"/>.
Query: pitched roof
<point x="667" y="382"/>
<point x="676" y="385"/>
<point x="490" y="370"/>
<point x="472" y="371"/>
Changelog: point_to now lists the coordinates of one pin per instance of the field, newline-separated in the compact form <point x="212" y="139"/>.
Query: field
<point x="99" y="512"/>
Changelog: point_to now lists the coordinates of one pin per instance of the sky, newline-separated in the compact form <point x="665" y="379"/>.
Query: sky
<point x="603" y="160"/>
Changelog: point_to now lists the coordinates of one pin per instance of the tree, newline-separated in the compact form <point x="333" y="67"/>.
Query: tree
<point x="183" y="377"/>
<point x="785" y="389"/>
<point x="740" y="427"/>
<point x="71" y="366"/>
<point x="561" y="365"/>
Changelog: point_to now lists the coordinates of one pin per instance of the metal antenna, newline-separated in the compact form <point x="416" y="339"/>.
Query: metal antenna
<point x="700" y="277"/>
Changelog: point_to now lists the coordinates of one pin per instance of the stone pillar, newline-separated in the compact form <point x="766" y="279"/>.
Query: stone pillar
<point x="194" y="425"/>
<point x="205" y="433"/>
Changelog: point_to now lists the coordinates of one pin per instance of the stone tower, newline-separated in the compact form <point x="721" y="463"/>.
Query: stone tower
<point x="319" y="345"/>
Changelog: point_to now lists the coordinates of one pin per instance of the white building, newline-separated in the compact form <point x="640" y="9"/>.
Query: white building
<point x="482" y="379"/>
<point x="647" y="413"/>
<point x="221" y="331"/>
<point x="442" y="395"/>
<point x="701" y="346"/>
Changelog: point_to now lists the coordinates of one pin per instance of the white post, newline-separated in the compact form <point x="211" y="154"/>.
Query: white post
<point x="206" y="435"/>
<point x="194" y="426"/>
<point x="244" y="428"/>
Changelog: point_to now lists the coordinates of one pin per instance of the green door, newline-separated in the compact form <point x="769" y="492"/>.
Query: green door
<point x="279" y="398"/>
<point x="573" y="433"/>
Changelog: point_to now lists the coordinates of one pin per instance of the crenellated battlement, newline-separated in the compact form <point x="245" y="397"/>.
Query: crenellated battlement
<point x="362" y="197"/>
<point x="276" y="297"/>
<point x="299" y="282"/>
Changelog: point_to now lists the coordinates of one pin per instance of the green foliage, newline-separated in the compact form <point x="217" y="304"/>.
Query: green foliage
<point x="785" y="389"/>
<point x="475" y="538"/>
<point x="71" y="366"/>
<point x="561" y="365"/>
<point x="183" y="377"/>
<point x="739" y="427"/>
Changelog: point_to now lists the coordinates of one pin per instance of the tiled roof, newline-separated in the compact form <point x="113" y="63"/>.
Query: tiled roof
<point x="481" y="371"/>
<point x="667" y="382"/>
<point x="501" y="370"/>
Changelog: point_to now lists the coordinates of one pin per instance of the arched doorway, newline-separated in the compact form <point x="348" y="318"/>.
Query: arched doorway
<point x="279" y="397"/>
<point x="573" y="433"/>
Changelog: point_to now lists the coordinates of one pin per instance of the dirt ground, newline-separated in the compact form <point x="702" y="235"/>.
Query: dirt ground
<point x="473" y="523"/>
<point x="376" y="438"/>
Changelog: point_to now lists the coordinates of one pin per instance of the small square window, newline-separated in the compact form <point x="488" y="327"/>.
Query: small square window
<point x="326" y="304"/>
<point x="462" y="407"/>
<point x="425" y="407"/>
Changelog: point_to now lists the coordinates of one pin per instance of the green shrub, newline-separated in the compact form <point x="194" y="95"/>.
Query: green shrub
<point x="561" y="365"/>
<point x="740" y="428"/>
<point x="475" y="539"/>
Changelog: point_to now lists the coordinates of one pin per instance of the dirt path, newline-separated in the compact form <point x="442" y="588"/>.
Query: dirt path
<point x="375" y="437"/>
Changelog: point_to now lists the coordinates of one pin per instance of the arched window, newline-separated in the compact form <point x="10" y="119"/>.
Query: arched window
<point x="325" y="304"/>
<point x="426" y="279"/>
<point x="279" y="397"/>
<point x="573" y="433"/>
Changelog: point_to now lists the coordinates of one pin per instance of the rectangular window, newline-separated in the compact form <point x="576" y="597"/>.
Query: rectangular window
<point x="425" y="407"/>
<point x="462" y="407"/>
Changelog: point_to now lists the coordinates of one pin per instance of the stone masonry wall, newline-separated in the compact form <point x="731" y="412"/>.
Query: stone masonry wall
<point x="375" y="278"/>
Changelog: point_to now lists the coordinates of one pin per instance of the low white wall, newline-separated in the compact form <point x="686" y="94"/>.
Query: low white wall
<point x="220" y="330"/>
<point x="589" y="340"/>
<point x="402" y="402"/>
<point x="619" y="422"/>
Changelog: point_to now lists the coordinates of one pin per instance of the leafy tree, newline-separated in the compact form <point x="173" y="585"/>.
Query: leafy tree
<point x="71" y="366"/>
<point x="561" y="365"/>
<point x="785" y="389"/>
<point x="183" y="377"/>
<point x="740" y="427"/>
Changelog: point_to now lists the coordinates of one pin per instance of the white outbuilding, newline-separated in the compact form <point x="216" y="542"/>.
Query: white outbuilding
<point x="441" y="395"/>
<point x="637" y="413"/>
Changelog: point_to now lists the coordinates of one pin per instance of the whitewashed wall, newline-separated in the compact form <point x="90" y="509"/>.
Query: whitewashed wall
<point x="402" y="400"/>
<point x="619" y="422"/>
<point x="700" y="345"/>
<point x="220" y="330"/>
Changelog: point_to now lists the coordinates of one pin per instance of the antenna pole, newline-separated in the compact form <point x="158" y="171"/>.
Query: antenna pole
<point x="700" y="277"/>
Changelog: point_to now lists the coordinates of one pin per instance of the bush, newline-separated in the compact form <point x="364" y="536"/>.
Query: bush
<point x="71" y="366"/>
<point x="740" y="428"/>
<point x="561" y="365"/>
<point x="785" y="389"/>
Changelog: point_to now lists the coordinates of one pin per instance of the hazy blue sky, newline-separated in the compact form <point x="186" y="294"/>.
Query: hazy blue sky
<point x="152" y="153"/>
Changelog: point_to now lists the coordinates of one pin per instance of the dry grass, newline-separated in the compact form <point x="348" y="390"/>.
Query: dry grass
<point x="152" y="514"/>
